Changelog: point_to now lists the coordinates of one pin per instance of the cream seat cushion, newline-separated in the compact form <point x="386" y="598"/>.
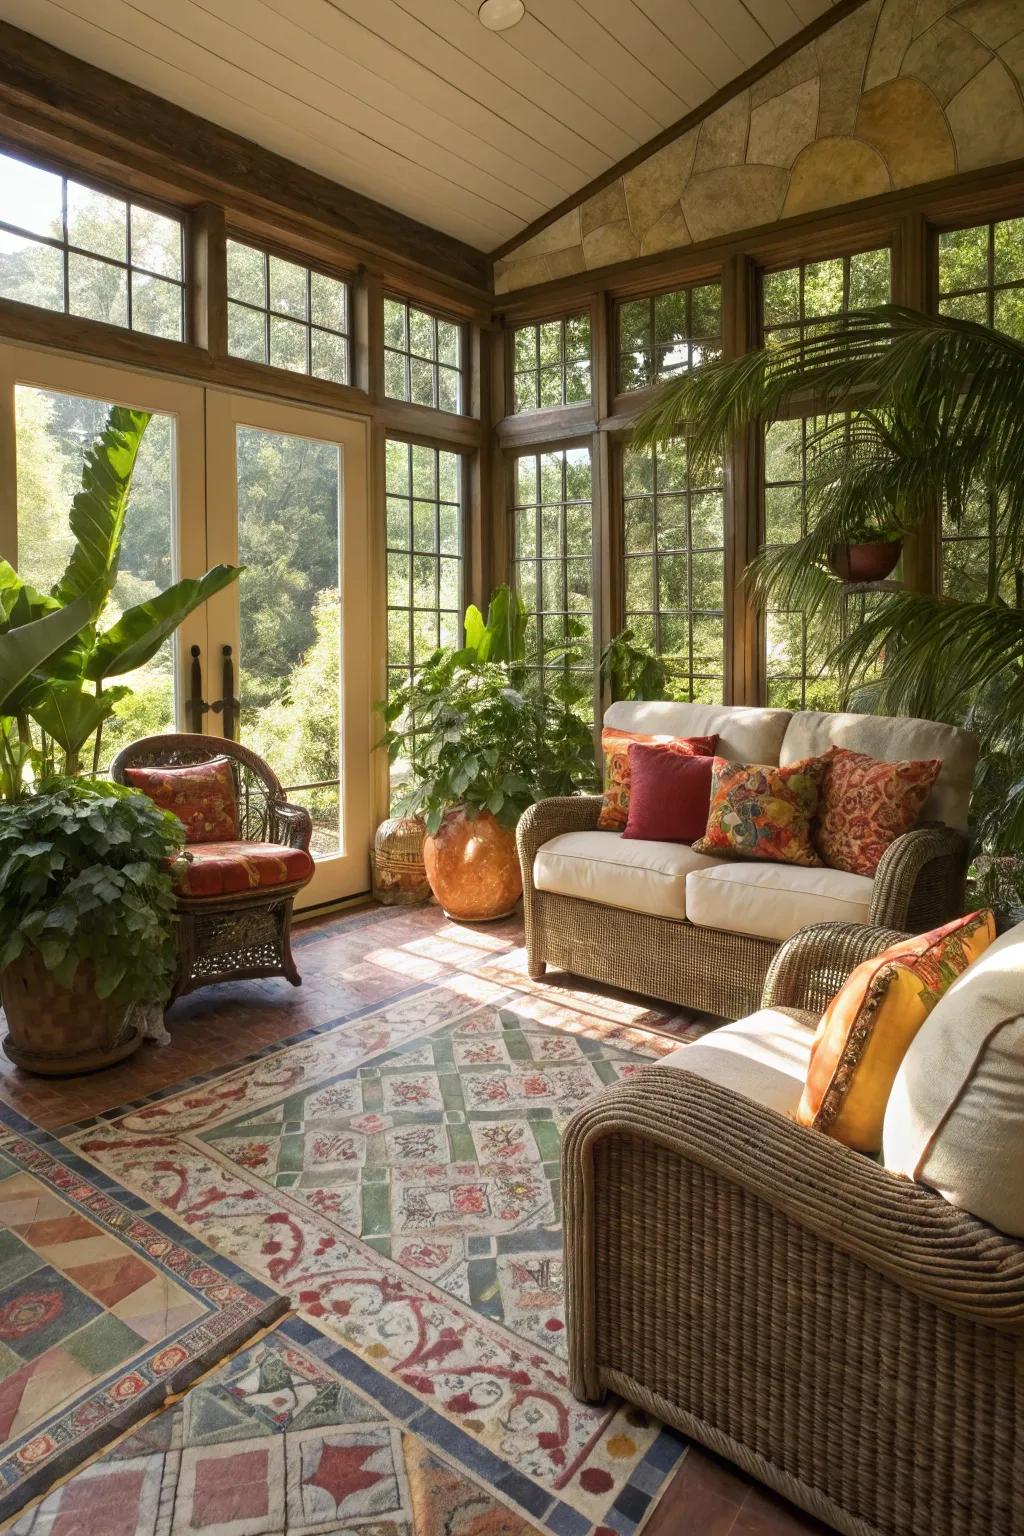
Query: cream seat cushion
<point x="764" y="1057"/>
<point x="634" y="873"/>
<point x="955" y="1117"/>
<point x="771" y="901"/>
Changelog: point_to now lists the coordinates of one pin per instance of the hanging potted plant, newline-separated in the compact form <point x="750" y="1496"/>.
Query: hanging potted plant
<point x="478" y="747"/>
<point x="871" y="552"/>
<point x="86" y="923"/>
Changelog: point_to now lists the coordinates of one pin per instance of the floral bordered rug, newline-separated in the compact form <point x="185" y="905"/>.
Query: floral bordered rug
<point x="106" y="1307"/>
<point x="396" y="1176"/>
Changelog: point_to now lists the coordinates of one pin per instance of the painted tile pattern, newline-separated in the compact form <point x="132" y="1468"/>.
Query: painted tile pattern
<point x="396" y="1177"/>
<point x="104" y="1309"/>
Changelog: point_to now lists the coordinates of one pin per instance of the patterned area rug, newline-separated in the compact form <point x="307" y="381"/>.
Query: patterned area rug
<point x="396" y="1176"/>
<point x="105" y="1308"/>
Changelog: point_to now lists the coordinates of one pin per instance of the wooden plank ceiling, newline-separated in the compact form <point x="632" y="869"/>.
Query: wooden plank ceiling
<point x="414" y="103"/>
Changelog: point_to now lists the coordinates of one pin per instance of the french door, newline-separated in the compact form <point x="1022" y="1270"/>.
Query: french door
<point x="280" y="659"/>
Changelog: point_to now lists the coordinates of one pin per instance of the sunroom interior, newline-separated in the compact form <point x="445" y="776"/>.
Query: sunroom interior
<point x="347" y="327"/>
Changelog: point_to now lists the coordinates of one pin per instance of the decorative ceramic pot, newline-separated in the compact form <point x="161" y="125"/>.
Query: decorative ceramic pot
<point x="473" y="867"/>
<point x="62" y="1031"/>
<point x="399" y="876"/>
<point x="865" y="562"/>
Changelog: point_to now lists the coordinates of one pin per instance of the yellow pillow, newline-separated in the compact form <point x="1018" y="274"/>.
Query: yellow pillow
<point x="868" y="1026"/>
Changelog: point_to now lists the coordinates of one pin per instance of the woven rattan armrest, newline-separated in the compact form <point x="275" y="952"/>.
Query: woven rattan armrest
<point x="548" y="819"/>
<point x="920" y="873"/>
<point x="290" y="825"/>
<point x="894" y="1226"/>
<point x="810" y="967"/>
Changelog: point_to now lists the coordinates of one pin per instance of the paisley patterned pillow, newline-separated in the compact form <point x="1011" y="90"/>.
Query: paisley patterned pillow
<point x="866" y="805"/>
<point x="202" y="796"/>
<point x="615" y="745"/>
<point x="759" y="811"/>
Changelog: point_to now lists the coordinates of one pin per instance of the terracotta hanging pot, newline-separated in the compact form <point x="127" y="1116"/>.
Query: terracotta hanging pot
<point x="865" y="562"/>
<point x="473" y="867"/>
<point x="62" y="1031"/>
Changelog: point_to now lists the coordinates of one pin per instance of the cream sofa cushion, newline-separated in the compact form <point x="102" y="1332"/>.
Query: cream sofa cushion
<point x="744" y="735"/>
<point x="764" y="1057"/>
<point x="618" y="872"/>
<point x="894" y="740"/>
<point x="955" y="1117"/>
<point x="771" y="901"/>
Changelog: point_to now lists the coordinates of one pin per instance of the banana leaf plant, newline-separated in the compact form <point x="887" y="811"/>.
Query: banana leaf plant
<point x="56" y="659"/>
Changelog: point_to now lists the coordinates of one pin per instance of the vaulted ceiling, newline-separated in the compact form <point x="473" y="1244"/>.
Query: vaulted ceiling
<point x="414" y="102"/>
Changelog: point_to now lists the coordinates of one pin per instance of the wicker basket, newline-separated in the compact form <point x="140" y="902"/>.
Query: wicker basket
<point x="399" y="877"/>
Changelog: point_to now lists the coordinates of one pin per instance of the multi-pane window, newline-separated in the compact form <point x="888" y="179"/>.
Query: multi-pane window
<point x="554" y="565"/>
<point x="422" y="357"/>
<point x="552" y="364"/>
<point x="803" y="299"/>
<point x="981" y="278"/>
<point x="285" y="314"/>
<point x="68" y="247"/>
<point x="674" y="555"/>
<point x="668" y="333"/>
<point x="424" y="554"/>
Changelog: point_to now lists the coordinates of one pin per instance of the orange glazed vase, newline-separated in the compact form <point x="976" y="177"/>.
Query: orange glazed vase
<point x="473" y="867"/>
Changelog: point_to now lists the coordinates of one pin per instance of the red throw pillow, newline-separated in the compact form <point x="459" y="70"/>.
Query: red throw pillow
<point x="202" y="796"/>
<point x="865" y="805"/>
<point x="669" y="795"/>
<point x="615" y="747"/>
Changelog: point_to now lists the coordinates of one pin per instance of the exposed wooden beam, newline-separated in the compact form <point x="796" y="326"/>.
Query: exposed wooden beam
<point x="45" y="90"/>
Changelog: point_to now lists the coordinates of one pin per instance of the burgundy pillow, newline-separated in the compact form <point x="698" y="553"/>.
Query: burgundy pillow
<point x="670" y="795"/>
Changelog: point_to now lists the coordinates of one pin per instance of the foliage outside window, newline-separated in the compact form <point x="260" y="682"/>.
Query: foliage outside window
<point x="674" y="554"/>
<point x="552" y="364"/>
<point x="981" y="278"/>
<point x="422" y="357"/>
<point x="554" y="565"/>
<point x="799" y="300"/>
<point x="287" y="315"/>
<point x="668" y="333"/>
<point x="68" y="247"/>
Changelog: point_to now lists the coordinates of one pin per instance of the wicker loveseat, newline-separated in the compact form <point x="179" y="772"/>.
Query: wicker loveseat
<point x="660" y="919"/>
<point x="844" y="1333"/>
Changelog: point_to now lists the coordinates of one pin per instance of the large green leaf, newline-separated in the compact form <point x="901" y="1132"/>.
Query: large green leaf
<point x="141" y="631"/>
<point x="25" y="649"/>
<point x="503" y="637"/>
<point x="98" y="511"/>
<point x="71" y="716"/>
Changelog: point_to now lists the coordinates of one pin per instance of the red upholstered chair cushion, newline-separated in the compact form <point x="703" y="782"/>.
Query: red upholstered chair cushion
<point x="202" y="796"/>
<point x="229" y="868"/>
<point x="669" y="795"/>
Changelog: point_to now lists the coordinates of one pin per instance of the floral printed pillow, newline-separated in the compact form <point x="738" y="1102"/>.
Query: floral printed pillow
<point x="202" y="796"/>
<point x="615" y="745"/>
<point x="759" y="811"/>
<point x="866" y="805"/>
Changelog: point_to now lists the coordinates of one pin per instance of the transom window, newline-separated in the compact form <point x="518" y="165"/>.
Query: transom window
<point x="286" y="314"/>
<point x="68" y="247"/>
<point x="422" y="357"/>
<point x="674" y="553"/>
<point x="554" y="564"/>
<point x="668" y="333"/>
<point x="796" y="302"/>
<point x="552" y="364"/>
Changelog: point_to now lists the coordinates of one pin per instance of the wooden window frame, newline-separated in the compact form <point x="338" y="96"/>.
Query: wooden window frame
<point x="268" y="313"/>
<point x="563" y="365"/>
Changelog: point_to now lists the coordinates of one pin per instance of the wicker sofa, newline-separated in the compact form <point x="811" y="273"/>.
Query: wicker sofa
<point x="846" y="1335"/>
<point x="660" y="919"/>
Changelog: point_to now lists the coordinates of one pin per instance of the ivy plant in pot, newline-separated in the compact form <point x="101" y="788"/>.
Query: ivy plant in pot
<point x="479" y="746"/>
<point x="86" y="923"/>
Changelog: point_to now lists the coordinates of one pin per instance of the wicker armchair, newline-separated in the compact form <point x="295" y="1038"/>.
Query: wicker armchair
<point x="246" y="934"/>
<point x="844" y="1335"/>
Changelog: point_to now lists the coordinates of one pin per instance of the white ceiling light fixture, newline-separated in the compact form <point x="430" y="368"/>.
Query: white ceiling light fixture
<point x="499" y="15"/>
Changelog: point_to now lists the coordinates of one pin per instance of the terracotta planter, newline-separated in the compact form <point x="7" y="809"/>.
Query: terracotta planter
<point x="866" y="562"/>
<point x="473" y="867"/>
<point x="62" y="1031"/>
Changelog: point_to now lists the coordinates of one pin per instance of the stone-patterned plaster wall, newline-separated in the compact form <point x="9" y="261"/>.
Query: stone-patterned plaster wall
<point x="898" y="93"/>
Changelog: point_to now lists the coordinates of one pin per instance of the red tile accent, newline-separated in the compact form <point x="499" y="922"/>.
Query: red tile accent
<point x="107" y="1503"/>
<point x="230" y="1488"/>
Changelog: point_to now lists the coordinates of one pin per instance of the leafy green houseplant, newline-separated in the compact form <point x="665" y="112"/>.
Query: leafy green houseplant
<point x="632" y="670"/>
<point x="86" y="922"/>
<point x="480" y="746"/>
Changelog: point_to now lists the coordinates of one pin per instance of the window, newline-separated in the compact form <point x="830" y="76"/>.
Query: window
<point x="424" y="556"/>
<point x="674" y="553"/>
<point x="554" y="563"/>
<point x="422" y="357"/>
<point x="668" y="333"/>
<point x="552" y="364"/>
<point x="287" y="315"/>
<point x="67" y="247"/>
<point x="981" y="278"/>
<point x="797" y="300"/>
